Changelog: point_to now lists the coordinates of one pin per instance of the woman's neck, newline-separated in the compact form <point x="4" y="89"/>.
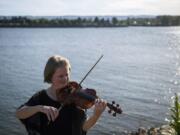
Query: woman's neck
<point x="51" y="91"/>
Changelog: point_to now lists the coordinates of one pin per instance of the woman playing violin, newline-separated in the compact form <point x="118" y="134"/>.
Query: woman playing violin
<point x="40" y="113"/>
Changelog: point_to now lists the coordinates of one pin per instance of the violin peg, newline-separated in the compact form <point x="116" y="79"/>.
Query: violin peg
<point x="114" y="114"/>
<point x="113" y="102"/>
<point x="109" y="111"/>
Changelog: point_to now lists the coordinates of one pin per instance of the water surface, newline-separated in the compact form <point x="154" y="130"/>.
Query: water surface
<point x="139" y="71"/>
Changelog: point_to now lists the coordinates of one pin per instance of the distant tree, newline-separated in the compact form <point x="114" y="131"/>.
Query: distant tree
<point x="165" y="20"/>
<point x="114" y="21"/>
<point x="96" y="21"/>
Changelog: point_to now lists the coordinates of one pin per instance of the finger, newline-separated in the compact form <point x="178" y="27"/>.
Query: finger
<point x="56" y="113"/>
<point x="45" y="111"/>
<point x="48" y="116"/>
<point x="97" y="101"/>
<point x="101" y="100"/>
<point x="52" y="114"/>
<point x="104" y="103"/>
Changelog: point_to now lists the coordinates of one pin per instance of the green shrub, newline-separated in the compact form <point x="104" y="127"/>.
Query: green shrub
<point x="175" y="115"/>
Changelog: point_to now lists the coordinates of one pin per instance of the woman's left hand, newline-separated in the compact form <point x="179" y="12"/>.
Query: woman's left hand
<point x="100" y="106"/>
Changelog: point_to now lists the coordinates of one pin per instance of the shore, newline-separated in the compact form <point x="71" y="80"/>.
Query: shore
<point x="163" y="130"/>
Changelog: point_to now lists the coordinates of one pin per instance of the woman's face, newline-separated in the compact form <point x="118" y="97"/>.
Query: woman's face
<point x="60" y="78"/>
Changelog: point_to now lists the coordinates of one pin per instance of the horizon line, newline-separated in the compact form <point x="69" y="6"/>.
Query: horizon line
<point x="100" y="15"/>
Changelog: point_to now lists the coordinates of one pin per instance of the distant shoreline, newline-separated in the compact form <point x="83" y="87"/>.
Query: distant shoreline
<point x="80" y="27"/>
<point x="80" y="22"/>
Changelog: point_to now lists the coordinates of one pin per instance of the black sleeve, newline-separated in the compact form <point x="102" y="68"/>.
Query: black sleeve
<point x="33" y="123"/>
<point x="34" y="100"/>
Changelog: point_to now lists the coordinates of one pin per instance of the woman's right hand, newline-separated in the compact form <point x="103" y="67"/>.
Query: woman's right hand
<point x="51" y="112"/>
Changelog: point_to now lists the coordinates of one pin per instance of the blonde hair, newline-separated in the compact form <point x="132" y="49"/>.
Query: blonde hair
<point x="52" y="64"/>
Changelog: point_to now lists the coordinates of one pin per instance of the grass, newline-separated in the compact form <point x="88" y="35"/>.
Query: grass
<point x="175" y="115"/>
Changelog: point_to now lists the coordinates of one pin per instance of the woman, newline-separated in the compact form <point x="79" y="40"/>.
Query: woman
<point x="40" y="113"/>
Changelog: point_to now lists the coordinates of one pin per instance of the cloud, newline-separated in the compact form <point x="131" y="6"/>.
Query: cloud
<point x="89" y="7"/>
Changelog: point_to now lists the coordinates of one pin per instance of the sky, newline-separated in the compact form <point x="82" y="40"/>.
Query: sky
<point x="89" y="7"/>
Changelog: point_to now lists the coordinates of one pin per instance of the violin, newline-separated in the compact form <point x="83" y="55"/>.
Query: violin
<point x="73" y="93"/>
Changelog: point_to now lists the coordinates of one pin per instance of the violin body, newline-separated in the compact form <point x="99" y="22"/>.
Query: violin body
<point x="73" y="93"/>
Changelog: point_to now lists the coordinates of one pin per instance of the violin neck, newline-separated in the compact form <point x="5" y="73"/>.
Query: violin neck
<point x="109" y="105"/>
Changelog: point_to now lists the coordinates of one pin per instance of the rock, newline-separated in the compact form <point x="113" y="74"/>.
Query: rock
<point x="167" y="130"/>
<point x="142" y="131"/>
<point x="153" y="131"/>
<point x="163" y="130"/>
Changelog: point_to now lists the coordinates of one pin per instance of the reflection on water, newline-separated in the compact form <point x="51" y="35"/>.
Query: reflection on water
<point x="140" y="70"/>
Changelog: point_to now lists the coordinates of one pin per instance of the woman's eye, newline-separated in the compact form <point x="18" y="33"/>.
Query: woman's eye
<point x="62" y="76"/>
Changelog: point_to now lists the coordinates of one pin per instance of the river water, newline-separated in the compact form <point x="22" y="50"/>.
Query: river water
<point x="140" y="70"/>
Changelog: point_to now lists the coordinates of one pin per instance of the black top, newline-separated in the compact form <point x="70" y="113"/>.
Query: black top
<point x="69" y="121"/>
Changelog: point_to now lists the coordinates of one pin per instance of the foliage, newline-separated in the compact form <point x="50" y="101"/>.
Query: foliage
<point x="175" y="115"/>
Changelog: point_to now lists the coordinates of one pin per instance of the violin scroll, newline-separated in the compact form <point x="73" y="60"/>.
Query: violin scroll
<point x="114" y="108"/>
